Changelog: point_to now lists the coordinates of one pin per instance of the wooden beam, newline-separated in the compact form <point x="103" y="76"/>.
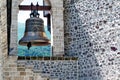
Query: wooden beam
<point x="28" y="7"/>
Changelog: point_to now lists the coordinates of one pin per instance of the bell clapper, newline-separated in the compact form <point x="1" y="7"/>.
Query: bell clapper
<point x="29" y="45"/>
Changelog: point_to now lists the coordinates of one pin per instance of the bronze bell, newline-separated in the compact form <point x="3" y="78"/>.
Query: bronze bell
<point x="34" y="32"/>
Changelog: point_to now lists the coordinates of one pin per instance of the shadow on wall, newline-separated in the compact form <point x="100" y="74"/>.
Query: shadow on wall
<point x="79" y="42"/>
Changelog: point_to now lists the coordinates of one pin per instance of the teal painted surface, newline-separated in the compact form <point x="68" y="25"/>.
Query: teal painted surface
<point x="34" y="51"/>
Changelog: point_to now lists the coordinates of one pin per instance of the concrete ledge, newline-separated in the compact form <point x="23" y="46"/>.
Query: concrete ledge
<point x="46" y="58"/>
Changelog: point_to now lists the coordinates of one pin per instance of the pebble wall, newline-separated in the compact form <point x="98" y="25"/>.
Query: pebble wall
<point x="92" y="32"/>
<point x="57" y="69"/>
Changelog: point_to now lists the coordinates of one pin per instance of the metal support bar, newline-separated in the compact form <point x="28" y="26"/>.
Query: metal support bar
<point x="49" y="22"/>
<point x="9" y="6"/>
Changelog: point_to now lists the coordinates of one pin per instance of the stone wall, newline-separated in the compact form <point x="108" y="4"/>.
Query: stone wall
<point x="56" y="69"/>
<point x="3" y="38"/>
<point x="14" y="28"/>
<point x="91" y="33"/>
<point x="3" y="29"/>
<point x="57" y="27"/>
<point x="92" y="29"/>
<point x="14" y="71"/>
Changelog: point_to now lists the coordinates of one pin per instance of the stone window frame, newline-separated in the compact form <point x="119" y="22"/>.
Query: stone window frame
<point x="57" y="27"/>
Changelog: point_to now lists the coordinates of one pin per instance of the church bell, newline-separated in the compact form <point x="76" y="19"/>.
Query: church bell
<point x="34" y="34"/>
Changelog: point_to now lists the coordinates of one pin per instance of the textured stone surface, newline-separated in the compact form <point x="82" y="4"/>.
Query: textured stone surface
<point x="14" y="25"/>
<point x="3" y="38"/>
<point x="53" y="69"/>
<point x="20" y="71"/>
<point x="92" y="33"/>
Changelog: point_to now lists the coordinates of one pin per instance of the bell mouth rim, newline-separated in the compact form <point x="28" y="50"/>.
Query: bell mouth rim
<point x="36" y="43"/>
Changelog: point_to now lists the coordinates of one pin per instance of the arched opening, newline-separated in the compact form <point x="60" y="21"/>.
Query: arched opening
<point x="57" y="26"/>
